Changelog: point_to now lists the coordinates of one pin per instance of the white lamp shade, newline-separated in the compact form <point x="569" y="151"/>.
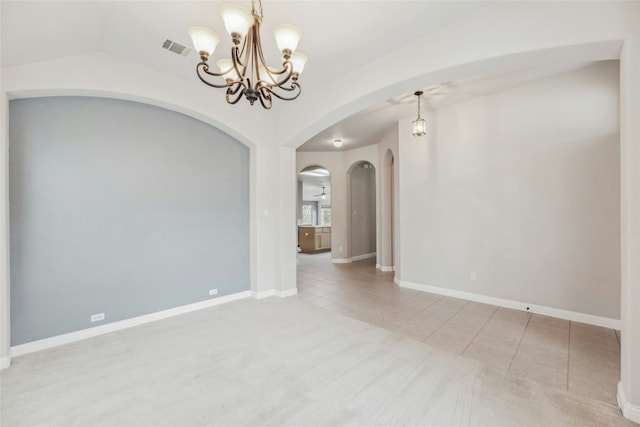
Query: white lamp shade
<point x="419" y="127"/>
<point x="236" y="19"/>
<point x="204" y="39"/>
<point x="226" y="66"/>
<point x="287" y="37"/>
<point x="298" y="60"/>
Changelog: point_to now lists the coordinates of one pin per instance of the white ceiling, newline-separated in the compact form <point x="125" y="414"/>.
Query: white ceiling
<point x="370" y="125"/>
<point x="337" y="36"/>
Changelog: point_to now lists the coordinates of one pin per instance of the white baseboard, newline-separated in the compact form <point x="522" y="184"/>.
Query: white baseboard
<point x="629" y="410"/>
<point x="287" y="293"/>
<point x="263" y="294"/>
<point x="5" y="362"/>
<point x="274" y="293"/>
<point x="363" y="256"/>
<point x="46" y="343"/>
<point x="352" y="259"/>
<point x="384" y="268"/>
<point x="574" y="316"/>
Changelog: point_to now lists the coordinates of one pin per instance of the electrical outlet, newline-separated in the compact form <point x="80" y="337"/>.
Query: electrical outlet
<point x="213" y="291"/>
<point x="473" y="275"/>
<point x="97" y="317"/>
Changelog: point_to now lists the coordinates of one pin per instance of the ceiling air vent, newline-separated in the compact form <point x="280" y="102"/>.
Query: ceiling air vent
<point x="176" y="47"/>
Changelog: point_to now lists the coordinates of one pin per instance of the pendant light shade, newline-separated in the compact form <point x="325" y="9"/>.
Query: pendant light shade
<point x="204" y="40"/>
<point x="287" y="37"/>
<point x="419" y="125"/>
<point x="237" y="20"/>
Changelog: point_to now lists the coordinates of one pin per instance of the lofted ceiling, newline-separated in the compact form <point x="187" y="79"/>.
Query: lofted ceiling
<point x="370" y="125"/>
<point x="338" y="36"/>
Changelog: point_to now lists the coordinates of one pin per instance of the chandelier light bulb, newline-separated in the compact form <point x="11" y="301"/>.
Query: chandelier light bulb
<point x="204" y="40"/>
<point x="337" y="143"/>
<point x="237" y="20"/>
<point x="323" y="196"/>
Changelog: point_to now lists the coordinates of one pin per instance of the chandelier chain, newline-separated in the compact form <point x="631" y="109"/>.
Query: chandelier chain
<point x="256" y="11"/>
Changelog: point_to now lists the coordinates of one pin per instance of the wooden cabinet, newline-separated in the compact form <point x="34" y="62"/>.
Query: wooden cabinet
<point x="314" y="239"/>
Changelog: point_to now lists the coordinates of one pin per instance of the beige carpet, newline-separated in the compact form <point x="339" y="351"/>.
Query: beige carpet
<point x="275" y="362"/>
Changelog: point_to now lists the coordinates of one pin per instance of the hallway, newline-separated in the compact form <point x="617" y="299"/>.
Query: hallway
<point x="577" y="357"/>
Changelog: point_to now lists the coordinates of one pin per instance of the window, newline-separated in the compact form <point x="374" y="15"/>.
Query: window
<point x="325" y="215"/>
<point x="309" y="213"/>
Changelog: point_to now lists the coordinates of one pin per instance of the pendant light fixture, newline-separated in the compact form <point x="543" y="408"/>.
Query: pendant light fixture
<point x="247" y="72"/>
<point x="419" y="125"/>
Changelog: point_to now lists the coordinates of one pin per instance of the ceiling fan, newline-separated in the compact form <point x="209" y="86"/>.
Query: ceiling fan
<point x="322" y="195"/>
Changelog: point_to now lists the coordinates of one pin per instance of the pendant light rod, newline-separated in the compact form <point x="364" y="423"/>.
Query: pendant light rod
<point x="418" y="94"/>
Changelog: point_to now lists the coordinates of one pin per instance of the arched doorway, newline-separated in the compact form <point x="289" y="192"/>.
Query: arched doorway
<point x="361" y="178"/>
<point x="313" y="213"/>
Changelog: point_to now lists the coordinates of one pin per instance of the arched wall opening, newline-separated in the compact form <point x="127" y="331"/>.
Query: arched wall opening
<point x="361" y="218"/>
<point x="314" y="210"/>
<point x="628" y="61"/>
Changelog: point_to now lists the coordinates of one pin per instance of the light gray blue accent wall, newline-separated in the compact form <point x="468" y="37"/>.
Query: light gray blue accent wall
<point x="120" y="208"/>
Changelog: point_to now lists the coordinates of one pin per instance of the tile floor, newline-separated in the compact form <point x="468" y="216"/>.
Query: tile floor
<point x="577" y="357"/>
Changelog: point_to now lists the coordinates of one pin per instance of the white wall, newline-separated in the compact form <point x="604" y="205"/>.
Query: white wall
<point x="521" y="188"/>
<point x="387" y="205"/>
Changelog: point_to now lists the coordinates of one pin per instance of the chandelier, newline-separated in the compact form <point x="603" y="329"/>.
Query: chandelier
<point x="246" y="73"/>
<point x="419" y="125"/>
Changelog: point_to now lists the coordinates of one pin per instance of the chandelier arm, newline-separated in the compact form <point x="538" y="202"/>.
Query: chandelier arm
<point x="294" y="86"/>
<point x="265" y="96"/>
<point x="239" y="84"/>
<point x="287" y="71"/>
<point x="204" y="67"/>
<point x="231" y="92"/>
<point x="236" y="60"/>
<point x="287" y="68"/>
